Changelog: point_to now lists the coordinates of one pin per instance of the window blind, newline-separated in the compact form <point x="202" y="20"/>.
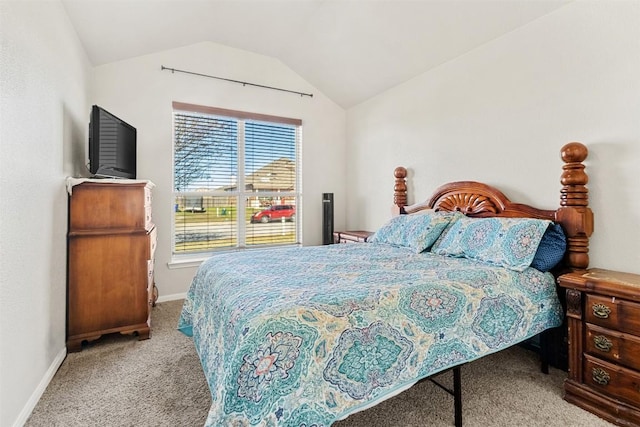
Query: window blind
<point x="236" y="180"/>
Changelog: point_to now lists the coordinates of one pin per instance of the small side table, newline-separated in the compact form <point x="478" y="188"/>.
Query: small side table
<point x="354" y="236"/>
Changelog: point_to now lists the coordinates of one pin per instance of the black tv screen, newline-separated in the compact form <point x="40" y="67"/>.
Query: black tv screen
<point x="112" y="146"/>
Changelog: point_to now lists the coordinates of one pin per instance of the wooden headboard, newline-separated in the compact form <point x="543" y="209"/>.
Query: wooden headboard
<point x="476" y="199"/>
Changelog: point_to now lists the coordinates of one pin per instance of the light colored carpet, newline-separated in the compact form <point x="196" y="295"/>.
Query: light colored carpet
<point x="119" y="381"/>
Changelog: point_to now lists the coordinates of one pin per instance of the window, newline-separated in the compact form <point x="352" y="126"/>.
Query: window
<point x="236" y="180"/>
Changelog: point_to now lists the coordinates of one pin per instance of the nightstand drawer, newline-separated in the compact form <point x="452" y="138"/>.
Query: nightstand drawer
<point x="613" y="313"/>
<point x="613" y="380"/>
<point x="614" y="346"/>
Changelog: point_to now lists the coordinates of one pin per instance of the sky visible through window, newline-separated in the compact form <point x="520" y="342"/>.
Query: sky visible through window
<point x="206" y="149"/>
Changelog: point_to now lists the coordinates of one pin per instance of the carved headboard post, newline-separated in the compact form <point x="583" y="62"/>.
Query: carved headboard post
<point x="399" y="190"/>
<point x="574" y="213"/>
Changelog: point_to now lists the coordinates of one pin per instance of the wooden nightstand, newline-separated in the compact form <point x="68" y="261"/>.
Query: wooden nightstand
<point x="603" y="314"/>
<point x="356" y="236"/>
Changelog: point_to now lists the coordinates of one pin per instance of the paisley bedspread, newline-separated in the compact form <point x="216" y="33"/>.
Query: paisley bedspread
<point x="306" y="336"/>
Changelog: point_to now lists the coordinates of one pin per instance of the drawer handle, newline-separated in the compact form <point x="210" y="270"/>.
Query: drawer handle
<point x="600" y="376"/>
<point x="601" y="311"/>
<point x="602" y="343"/>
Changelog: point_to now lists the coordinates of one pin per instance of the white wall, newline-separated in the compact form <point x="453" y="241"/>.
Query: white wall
<point x="501" y="113"/>
<point x="140" y="93"/>
<point x="498" y="114"/>
<point x="43" y="114"/>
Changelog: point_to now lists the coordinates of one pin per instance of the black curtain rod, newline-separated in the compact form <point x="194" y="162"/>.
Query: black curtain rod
<point x="174" y="70"/>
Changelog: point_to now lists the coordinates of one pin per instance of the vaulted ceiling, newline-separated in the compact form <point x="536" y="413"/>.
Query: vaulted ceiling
<point x="351" y="50"/>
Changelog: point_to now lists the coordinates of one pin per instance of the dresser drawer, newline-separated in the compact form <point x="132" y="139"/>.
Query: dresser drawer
<point x="151" y="283"/>
<point x="153" y="242"/>
<point x="100" y="206"/>
<point x="150" y="274"/>
<point x="614" y="346"/>
<point x="613" y="313"/>
<point x="148" y="218"/>
<point x="613" y="380"/>
<point x="147" y="196"/>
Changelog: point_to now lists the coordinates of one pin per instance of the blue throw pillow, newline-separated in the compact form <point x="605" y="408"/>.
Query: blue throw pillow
<point x="508" y="242"/>
<point x="551" y="248"/>
<point x="417" y="232"/>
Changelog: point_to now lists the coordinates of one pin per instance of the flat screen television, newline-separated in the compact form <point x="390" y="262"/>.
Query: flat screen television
<point x="112" y="146"/>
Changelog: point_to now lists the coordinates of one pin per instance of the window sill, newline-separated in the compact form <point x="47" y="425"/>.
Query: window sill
<point x="195" y="261"/>
<point x="185" y="263"/>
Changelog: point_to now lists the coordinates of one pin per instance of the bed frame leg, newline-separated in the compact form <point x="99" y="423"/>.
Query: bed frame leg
<point x="456" y="393"/>
<point x="457" y="396"/>
<point x="544" y="367"/>
<point x="544" y="351"/>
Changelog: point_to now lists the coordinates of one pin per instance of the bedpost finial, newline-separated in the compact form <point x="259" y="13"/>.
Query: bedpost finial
<point x="573" y="177"/>
<point x="574" y="152"/>
<point x="400" y="172"/>
<point x="574" y="213"/>
<point x="400" y="188"/>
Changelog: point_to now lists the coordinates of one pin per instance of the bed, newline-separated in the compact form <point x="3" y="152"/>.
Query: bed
<point x="336" y="329"/>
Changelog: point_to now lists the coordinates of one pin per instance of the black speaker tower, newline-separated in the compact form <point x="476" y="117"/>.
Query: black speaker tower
<point x="327" y="218"/>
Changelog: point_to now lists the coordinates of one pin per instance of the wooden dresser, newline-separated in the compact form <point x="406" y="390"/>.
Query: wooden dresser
<point x="111" y="244"/>
<point x="356" y="236"/>
<point x="603" y="313"/>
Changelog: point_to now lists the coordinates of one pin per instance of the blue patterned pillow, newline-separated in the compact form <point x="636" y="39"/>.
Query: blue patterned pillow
<point x="508" y="242"/>
<point x="551" y="249"/>
<point x="417" y="232"/>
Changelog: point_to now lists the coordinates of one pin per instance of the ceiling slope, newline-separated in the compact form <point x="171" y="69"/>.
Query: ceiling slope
<point x="351" y="50"/>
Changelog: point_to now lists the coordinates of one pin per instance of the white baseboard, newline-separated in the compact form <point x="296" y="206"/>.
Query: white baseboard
<point x="37" y="393"/>
<point x="172" y="297"/>
<point x="55" y="365"/>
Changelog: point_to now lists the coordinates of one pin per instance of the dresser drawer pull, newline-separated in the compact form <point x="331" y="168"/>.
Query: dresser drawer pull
<point x="600" y="376"/>
<point x="602" y="343"/>
<point x="601" y="311"/>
